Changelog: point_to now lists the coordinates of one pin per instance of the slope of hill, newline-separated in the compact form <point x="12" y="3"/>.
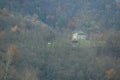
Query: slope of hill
<point x="32" y="50"/>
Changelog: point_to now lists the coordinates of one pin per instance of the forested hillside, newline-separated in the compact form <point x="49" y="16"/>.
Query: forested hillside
<point x="70" y="14"/>
<point x="36" y="40"/>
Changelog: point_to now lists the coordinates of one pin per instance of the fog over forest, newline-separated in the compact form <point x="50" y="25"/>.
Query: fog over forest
<point x="59" y="39"/>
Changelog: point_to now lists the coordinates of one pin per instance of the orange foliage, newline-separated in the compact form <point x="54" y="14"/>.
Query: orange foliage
<point x="14" y="29"/>
<point x="12" y="50"/>
<point x="73" y="23"/>
<point x="110" y="73"/>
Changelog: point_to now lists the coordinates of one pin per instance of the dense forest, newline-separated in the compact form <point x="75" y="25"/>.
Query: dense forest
<point x="36" y="40"/>
<point x="82" y="13"/>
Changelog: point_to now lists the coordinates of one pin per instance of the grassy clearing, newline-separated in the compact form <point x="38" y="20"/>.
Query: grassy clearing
<point x="89" y="43"/>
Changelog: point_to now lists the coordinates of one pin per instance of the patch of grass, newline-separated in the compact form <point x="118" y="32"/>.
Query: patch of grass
<point x="89" y="43"/>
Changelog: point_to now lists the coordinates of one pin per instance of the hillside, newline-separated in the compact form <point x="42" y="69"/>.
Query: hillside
<point x="36" y="44"/>
<point x="75" y="14"/>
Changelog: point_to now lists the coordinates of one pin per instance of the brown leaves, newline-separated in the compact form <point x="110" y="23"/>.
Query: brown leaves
<point x="110" y="73"/>
<point x="12" y="50"/>
<point x="72" y="24"/>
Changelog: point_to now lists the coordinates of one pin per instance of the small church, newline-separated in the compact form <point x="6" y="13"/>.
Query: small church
<point x="78" y="35"/>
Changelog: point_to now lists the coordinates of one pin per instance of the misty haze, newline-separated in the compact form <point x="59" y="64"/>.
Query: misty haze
<point x="59" y="39"/>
